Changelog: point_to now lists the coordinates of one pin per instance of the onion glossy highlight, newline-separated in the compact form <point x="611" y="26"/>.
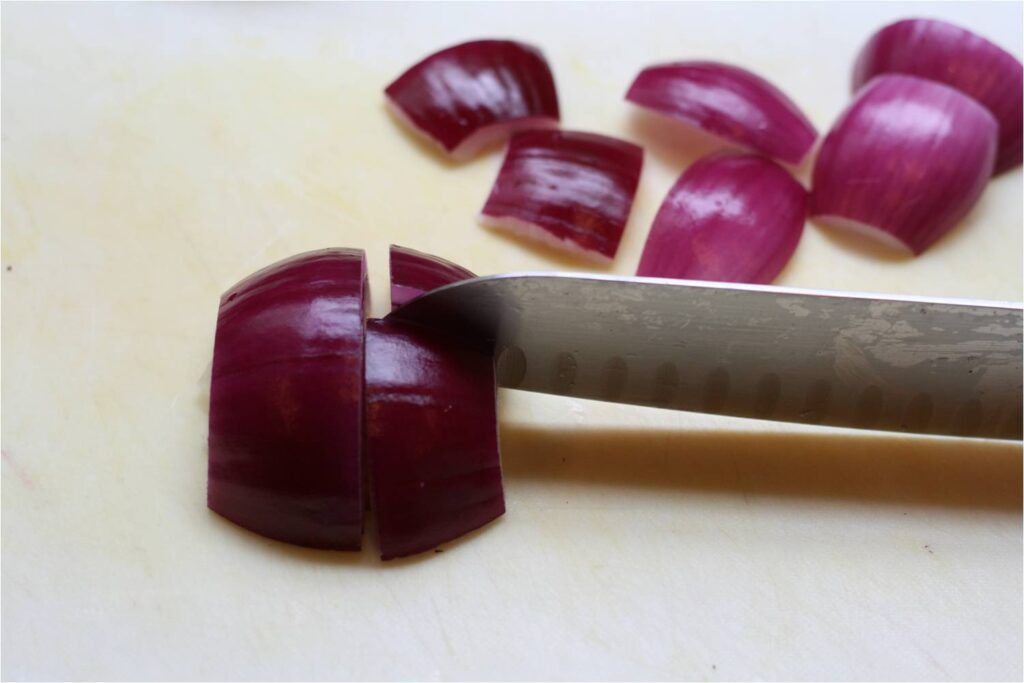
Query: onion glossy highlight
<point x="431" y="436"/>
<point x="905" y="162"/>
<point x="414" y="273"/>
<point x="729" y="102"/>
<point x="729" y="218"/>
<point x="286" y="401"/>
<point x="944" y="52"/>
<point x="573" y="191"/>
<point x="469" y="96"/>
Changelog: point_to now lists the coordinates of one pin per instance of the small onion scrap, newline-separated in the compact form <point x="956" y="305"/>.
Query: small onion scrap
<point x="573" y="191"/>
<point x="414" y="273"/>
<point x="904" y="163"/>
<point x="944" y="52"/>
<point x="729" y="218"/>
<point x="470" y="96"/>
<point x="729" y="102"/>
<point x="286" y="401"/>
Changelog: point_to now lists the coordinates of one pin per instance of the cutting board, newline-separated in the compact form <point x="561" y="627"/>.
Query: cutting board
<point x="155" y="154"/>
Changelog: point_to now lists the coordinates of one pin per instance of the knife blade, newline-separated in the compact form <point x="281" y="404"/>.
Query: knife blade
<point x="896" y="363"/>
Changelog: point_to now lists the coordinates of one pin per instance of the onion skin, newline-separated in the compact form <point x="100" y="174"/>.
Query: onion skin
<point x="431" y="436"/>
<point x="908" y="158"/>
<point x="729" y="218"/>
<point x="729" y="102"/>
<point x="286" y="401"/>
<point x="469" y="96"/>
<point x="414" y="273"/>
<point x="572" y="190"/>
<point x="944" y="52"/>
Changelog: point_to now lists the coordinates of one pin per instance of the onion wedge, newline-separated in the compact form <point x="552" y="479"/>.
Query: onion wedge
<point x="414" y="273"/>
<point x="944" y="52"/>
<point x="729" y="218"/>
<point x="286" y="401"/>
<point x="573" y="191"/>
<point x="904" y="163"/>
<point x="470" y="96"/>
<point x="729" y="102"/>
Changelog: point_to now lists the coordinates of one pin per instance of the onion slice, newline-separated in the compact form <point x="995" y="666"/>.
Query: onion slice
<point x="729" y="218"/>
<point x="469" y="96"/>
<point x="905" y="162"/>
<point x="573" y="191"/>
<point x="944" y="52"/>
<point x="414" y="273"/>
<point x="431" y="436"/>
<point x="729" y="102"/>
<point x="286" y="401"/>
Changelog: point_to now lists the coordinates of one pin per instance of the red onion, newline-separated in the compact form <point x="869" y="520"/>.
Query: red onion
<point x="469" y="96"/>
<point x="905" y="162"/>
<point x="729" y="102"/>
<point x="431" y="436"/>
<point x="414" y="273"/>
<point x="729" y="218"/>
<point x="943" y="52"/>
<point x="573" y="191"/>
<point x="286" y="401"/>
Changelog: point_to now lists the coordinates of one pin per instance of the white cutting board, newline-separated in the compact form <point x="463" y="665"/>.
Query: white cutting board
<point x="155" y="154"/>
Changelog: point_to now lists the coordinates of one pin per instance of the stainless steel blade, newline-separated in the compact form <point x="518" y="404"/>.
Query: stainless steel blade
<point x="932" y="366"/>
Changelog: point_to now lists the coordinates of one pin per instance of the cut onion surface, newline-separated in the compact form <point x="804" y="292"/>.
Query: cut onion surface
<point x="286" y="401"/>
<point x="469" y="96"/>
<point x="573" y="191"/>
<point x="729" y="102"/>
<point x="906" y="161"/>
<point x="414" y="273"/>
<point x="729" y="218"/>
<point x="940" y="51"/>
<point x="431" y="436"/>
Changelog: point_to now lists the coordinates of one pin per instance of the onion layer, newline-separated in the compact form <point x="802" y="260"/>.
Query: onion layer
<point x="413" y="273"/>
<point x="286" y="401"/>
<point x="940" y="51"/>
<point x="729" y="102"/>
<point x="729" y="218"/>
<point x="573" y="191"/>
<point x="905" y="162"/>
<point x="431" y="436"/>
<point x="468" y="96"/>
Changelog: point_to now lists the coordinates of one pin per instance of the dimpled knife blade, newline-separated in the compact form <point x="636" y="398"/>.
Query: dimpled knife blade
<point x="910" y="364"/>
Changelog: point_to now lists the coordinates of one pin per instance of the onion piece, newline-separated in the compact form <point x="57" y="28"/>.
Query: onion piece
<point x="729" y="102"/>
<point x="908" y="158"/>
<point x="431" y="436"/>
<point x="570" y="190"/>
<point x="413" y="273"/>
<point x="729" y="218"/>
<point x="286" y="401"/>
<point x="469" y="96"/>
<point x="940" y="51"/>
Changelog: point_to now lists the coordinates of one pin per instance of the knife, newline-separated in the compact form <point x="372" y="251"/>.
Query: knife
<point x="895" y="363"/>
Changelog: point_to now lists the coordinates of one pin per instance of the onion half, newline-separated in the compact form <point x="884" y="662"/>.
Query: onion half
<point x="940" y="51"/>
<point x="471" y="95"/>
<point x="729" y="218"/>
<point x="573" y="191"/>
<point x="413" y="273"/>
<point x="905" y="162"/>
<point x="286" y="401"/>
<point x="729" y="102"/>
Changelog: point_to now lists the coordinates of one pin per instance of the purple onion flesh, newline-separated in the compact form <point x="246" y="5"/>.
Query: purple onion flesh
<point x="729" y="218"/>
<point x="729" y="102"/>
<point x="904" y="163"/>
<point x="286" y="401"/>
<point x="414" y="273"/>
<point x="469" y="96"/>
<point x="944" y="52"/>
<point x="573" y="191"/>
